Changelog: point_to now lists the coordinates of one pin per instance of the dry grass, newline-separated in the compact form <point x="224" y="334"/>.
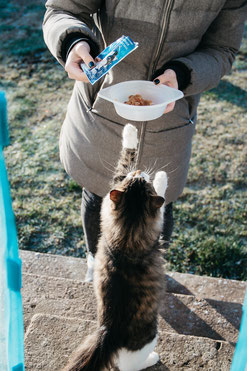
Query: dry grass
<point x="210" y="233"/>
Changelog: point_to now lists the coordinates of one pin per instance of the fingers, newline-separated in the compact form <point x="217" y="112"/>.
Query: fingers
<point x="82" y="49"/>
<point x="75" y="72"/>
<point x="169" y="107"/>
<point x="168" y="78"/>
<point x="78" y="54"/>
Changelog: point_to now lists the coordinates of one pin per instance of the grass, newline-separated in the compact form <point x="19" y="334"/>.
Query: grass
<point x="210" y="236"/>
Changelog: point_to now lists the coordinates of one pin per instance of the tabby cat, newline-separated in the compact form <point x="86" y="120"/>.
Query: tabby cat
<point x="128" y="272"/>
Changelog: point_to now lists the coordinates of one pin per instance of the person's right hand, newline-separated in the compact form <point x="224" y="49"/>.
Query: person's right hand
<point x="78" y="54"/>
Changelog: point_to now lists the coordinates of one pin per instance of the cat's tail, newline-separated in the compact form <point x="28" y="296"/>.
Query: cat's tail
<point x="94" y="354"/>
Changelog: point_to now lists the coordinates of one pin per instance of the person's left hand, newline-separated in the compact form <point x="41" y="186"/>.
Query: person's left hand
<point x="168" y="78"/>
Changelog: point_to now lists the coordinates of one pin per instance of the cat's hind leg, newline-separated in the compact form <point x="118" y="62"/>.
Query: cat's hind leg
<point x="130" y="140"/>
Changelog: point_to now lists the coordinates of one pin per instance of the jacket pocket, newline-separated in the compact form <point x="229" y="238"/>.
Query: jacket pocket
<point x="163" y="130"/>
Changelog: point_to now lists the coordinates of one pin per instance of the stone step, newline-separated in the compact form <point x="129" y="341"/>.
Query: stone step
<point x="206" y="287"/>
<point x="36" y="288"/>
<point x="179" y="283"/>
<point x="50" y="340"/>
<point x="198" y="323"/>
<point x="183" y="314"/>
<point x="53" y="265"/>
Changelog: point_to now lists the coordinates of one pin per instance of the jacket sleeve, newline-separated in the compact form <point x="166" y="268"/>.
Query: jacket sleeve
<point x="216" y="52"/>
<point x="66" y="17"/>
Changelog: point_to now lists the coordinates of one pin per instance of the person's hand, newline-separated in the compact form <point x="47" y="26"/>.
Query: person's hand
<point x="168" y="78"/>
<point x="78" y="54"/>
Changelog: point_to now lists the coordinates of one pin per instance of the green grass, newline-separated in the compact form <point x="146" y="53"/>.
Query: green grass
<point x="210" y="236"/>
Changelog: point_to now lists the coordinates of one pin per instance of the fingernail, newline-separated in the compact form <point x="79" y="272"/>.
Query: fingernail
<point x="156" y="81"/>
<point x="91" y="64"/>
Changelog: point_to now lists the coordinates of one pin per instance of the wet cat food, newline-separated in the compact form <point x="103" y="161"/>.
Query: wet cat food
<point x="137" y="100"/>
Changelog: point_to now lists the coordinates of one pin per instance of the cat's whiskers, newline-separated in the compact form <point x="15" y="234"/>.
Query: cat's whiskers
<point x="105" y="167"/>
<point x="172" y="171"/>
<point x="113" y="166"/>
<point x="150" y="170"/>
<point x="163" y="167"/>
<point x="130" y="169"/>
<point x="169" y="172"/>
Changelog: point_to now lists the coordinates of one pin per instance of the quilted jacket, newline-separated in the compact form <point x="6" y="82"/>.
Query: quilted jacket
<point x="204" y="35"/>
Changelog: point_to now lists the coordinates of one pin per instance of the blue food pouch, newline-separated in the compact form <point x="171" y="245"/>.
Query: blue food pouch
<point x="109" y="57"/>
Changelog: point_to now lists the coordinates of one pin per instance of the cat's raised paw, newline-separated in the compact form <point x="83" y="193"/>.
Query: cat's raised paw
<point x="160" y="183"/>
<point x="130" y="139"/>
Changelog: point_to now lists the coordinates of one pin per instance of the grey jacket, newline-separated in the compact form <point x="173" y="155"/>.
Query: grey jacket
<point x="204" y="35"/>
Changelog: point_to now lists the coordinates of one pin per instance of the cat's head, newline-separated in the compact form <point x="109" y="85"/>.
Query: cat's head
<point x="135" y="198"/>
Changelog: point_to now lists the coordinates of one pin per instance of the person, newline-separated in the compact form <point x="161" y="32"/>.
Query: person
<point x="184" y="44"/>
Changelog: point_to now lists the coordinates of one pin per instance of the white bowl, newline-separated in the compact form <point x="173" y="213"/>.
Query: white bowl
<point x="160" y="95"/>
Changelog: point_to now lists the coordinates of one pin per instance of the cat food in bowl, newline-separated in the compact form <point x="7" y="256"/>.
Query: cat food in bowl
<point x="159" y="96"/>
<point x="137" y="100"/>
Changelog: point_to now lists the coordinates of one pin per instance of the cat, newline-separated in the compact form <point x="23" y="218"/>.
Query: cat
<point x="128" y="273"/>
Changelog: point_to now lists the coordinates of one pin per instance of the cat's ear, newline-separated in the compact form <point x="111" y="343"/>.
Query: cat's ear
<point x="157" y="201"/>
<point x="116" y="195"/>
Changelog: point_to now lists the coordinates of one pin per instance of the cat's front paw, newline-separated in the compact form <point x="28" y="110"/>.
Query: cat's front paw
<point x="160" y="183"/>
<point x="130" y="139"/>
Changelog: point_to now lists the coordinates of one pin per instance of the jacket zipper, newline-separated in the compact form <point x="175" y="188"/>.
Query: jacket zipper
<point x="166" y="11"/>
<point x="141" y="142"/>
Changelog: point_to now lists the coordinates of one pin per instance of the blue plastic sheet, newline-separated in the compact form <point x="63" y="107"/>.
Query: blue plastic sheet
<point x="239" y="362"/>
<point x="11" y="313"/>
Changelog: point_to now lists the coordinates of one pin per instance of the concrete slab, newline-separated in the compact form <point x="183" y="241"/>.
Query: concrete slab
<point x="36" y="288"/>
<point x="206" y="287"/>
<point x="198" y="323"/>
<point x="188" y="315"/>
<point x="183" y="352"/>
<point x="179" y="283"/>
<point x="183" y="314"/>
<point x="50" y="340"/>
<point x="73" y="308"/>
<point x="53" y="265"/>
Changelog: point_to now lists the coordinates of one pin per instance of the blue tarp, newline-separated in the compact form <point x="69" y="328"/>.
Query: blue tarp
<point x="11" y="313"/>
<point x="239" y="362"/>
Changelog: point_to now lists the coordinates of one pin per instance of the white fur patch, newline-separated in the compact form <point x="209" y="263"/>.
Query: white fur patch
<point x="143" y="175"/>
<point x="90" y="268"/>
<point x="160" y="183"/>
<point x="130" y="137"/>
<point x="152" y="359"/>
<point x="138" y="360"/>
<point x="133" y="174"/>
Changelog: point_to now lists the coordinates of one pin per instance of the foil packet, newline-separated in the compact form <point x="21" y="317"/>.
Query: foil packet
<point x="109" y="57"/>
